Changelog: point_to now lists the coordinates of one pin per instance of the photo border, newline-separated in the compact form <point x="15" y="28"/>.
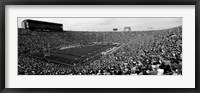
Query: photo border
<point x="98" y="2"/>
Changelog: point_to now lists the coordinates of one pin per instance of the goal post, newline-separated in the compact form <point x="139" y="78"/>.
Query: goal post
<point x="46" y="50"/>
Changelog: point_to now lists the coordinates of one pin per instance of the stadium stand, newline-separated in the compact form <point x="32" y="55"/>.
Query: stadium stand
<point x="143" y="53"/>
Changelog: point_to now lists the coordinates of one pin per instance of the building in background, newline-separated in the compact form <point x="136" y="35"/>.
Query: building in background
<point x="128" y="28"/>
<point x="115" y="29"/>
<point x="41" y="25"/>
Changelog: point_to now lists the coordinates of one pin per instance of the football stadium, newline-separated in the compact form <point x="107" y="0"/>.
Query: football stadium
<point x="44" y="48"/>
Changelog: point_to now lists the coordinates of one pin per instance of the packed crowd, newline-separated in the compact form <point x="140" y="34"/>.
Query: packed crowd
<point x="30" y="41"/>
<point x="144" y="53"/>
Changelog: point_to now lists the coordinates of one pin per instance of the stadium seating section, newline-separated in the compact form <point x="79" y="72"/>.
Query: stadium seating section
<point x="141" y="53"/>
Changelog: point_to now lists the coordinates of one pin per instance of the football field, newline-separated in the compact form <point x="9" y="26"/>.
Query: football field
<point x="76" y="55"/>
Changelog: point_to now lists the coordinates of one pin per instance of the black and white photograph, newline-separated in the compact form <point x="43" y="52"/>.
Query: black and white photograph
<point x="99" y="45"/>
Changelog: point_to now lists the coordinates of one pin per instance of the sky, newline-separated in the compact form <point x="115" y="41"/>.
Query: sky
<point x="107" y="24"/>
